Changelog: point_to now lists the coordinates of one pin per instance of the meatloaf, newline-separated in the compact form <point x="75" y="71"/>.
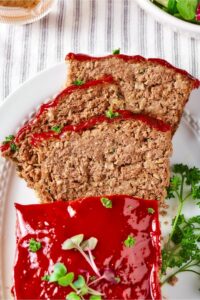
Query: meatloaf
<point x="150" y="86"/>
<point x="122" y="154"/>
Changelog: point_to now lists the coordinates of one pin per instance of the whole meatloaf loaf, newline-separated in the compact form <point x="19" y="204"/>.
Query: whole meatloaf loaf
<point x="120" y="154"/>
<point x="150" y="86"/>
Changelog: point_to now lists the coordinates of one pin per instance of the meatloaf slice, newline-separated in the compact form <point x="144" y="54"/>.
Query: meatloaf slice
<point x="75" y="104"/>
<point x="126" y="154"/>
<point x="150" y="86"/>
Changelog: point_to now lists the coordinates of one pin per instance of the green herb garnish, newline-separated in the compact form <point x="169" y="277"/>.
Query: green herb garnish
<point x="110" y="114"/>
<point x="56" y="128"/>
<point x="182" y="250"/>
<point x="13" y="147"/>
<point x="151" y="210"/>
<point x="116" y="51"/>
<point x="34" y="245"/>
<point x="61" y="277"/>
<point x="8" y="139"/>
<point x="78" y="82"/>
<point x="130" y="241"/>
<point x="106" y="202"/>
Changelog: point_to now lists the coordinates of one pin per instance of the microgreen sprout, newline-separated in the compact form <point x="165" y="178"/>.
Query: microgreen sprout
<point x="79" y="286"/>
<point x="84" y="247"/>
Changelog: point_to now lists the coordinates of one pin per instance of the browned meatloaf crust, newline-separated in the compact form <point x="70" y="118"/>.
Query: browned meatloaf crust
<point x="150" y="86"/>
<point x="115" y="156"/>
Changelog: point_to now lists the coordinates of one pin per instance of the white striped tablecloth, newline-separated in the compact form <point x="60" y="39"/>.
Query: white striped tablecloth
<point x="89" y="26"/>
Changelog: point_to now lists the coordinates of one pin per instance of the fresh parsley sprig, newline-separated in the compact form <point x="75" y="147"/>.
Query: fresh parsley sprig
<point x="182" y="250"/>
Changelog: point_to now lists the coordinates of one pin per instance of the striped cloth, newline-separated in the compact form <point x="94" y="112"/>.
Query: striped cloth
<point x="90" y="26"/>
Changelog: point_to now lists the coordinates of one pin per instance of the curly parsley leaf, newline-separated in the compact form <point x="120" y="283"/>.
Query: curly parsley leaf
<point x="182" y="250"/>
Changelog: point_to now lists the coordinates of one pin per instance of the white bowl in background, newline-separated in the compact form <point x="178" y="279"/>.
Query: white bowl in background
<point x="178" y="25"/>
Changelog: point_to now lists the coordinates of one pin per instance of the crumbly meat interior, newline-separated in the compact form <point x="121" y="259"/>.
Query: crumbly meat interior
<point x="148" y="87"/>
<point x="125" y="157"/>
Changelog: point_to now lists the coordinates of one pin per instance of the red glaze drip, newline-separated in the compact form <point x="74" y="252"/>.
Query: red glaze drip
<point x="4" y="147"/>
<point x="135" y="58"/>
<point x="51" y="224"/>
<point x="123" y="115"/>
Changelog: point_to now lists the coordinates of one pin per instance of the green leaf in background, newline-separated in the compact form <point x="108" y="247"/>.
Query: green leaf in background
<point x="187" y="8"/>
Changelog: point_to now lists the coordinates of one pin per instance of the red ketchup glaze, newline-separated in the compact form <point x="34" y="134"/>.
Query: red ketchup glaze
<point x="123" y="115"/>
<point x="134" y="58"/>
<point x="51" y="224"/>
<point x="69" y="90"/>
<point x="4" y="147"/>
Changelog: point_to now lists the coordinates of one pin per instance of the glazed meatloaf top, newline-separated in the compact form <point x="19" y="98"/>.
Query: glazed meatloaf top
<point x="133" y="269"/>
<point x="150" y="86"/>
<point x="124" y="154"/>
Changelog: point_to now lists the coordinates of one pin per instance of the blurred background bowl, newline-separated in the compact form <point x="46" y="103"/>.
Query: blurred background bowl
<point x="163" y="17"/>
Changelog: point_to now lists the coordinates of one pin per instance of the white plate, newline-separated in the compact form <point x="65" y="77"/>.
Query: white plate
<point x="164" y="17"/>
<point x="19" y="107"/>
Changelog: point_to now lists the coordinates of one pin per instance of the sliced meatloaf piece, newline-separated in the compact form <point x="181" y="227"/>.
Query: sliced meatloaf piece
<point x="150" y="86"/>
<point x="75" y="104"/>
<point x="122" y="154"/>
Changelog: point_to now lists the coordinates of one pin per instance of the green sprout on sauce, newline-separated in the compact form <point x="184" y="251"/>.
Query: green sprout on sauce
<point x="110" y="114"/>
<point x="78" y="82"/>
<point x="151" y="210"/>
<point x="116" y="51"/>
<point x="34" y="245"/>
<point x="63" y="278"/>
<point x="56" y="128"/>
<point x="106" y="202"/>
<point x="130" y="241"/>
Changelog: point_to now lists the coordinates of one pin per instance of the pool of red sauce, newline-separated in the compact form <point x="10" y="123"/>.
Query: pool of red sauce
<point x="53" y="223"/>
<point x="123" y="115"/>
<point x="54" y="103"/>
<point x="134" y="58"/>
